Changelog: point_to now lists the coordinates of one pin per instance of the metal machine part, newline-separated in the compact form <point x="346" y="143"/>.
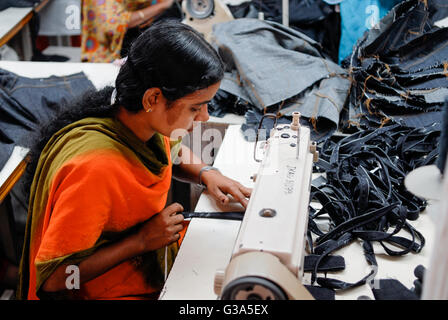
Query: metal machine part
<point x="252" y="288"/>
<point x="200" y="9"/>
<point x="203" y="14"/>
<point x="267" y="259"/>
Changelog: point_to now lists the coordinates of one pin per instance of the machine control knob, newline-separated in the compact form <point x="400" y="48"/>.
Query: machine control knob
<point x="219" y="280"/>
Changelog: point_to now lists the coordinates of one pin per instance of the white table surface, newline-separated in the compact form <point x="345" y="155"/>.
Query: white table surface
<point x="442" y="23"/>
<point x="10" y="17"/>
<point x="208" y="243"/>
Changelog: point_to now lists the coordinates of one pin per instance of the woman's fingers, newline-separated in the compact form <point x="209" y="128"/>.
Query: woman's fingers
<point x="238" y="195"/>
<point x="246" y="191"/>
<point x="177" y="219"/>
<point x="220" y="196"/>
<point x="173" y="209"/>
<point x="235" y="191"/>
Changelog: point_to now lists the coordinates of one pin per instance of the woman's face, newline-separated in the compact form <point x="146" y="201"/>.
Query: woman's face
<point x="182" y="113"/>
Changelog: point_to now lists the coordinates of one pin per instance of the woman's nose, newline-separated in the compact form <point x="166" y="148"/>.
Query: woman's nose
<point x="203" y="114"/>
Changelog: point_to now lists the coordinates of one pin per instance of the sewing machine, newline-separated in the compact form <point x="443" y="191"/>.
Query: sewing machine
<point x="267" y="258"/>
<point x="203" y="14"/>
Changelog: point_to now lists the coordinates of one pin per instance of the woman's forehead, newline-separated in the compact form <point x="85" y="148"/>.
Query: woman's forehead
<point x="203" y="95"/>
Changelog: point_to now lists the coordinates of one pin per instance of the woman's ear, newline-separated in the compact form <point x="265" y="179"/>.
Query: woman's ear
<point x="152" y="98"/>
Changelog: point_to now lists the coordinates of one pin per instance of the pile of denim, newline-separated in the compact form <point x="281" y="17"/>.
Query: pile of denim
<point x="399" y="69"/>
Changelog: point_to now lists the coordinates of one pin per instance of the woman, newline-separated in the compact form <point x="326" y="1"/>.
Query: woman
<point x="97" y="201"/>
<point x="105" y="24"/>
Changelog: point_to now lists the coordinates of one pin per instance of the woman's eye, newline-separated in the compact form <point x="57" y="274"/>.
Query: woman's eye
<point x="195" y="109"/>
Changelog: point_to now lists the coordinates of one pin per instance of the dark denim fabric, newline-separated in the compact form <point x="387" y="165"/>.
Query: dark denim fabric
<point x="438" y="10"/>
<point x="27" y="103"/>
<point x="224" y="102"/>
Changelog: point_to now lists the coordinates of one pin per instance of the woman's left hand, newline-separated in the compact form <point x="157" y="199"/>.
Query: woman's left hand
<point x="219" y="186"/>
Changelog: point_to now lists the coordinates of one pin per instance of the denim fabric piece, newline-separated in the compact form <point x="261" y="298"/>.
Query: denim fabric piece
<point x="27" y="103"/>
<point x="324" y="100"/>
<point x="438" y="10"/>
<point x="224" y="102"/>
<point x="391" y="289"/>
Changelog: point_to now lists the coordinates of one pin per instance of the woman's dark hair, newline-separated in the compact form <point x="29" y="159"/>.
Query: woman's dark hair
<point x="169" y="55"/>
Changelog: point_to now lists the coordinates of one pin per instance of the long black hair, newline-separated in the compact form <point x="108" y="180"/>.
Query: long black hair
<point x="169" y="55"/>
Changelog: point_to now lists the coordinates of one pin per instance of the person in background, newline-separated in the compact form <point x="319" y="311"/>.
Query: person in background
<point x="102" y="172"/>
<point x="105" y="24"/>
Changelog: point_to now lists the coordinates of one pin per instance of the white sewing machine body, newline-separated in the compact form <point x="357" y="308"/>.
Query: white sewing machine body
<point x="271" y="241"/>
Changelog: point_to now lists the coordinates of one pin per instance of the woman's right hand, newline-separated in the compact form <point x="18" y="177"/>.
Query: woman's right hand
<point x="161" y="229"/>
